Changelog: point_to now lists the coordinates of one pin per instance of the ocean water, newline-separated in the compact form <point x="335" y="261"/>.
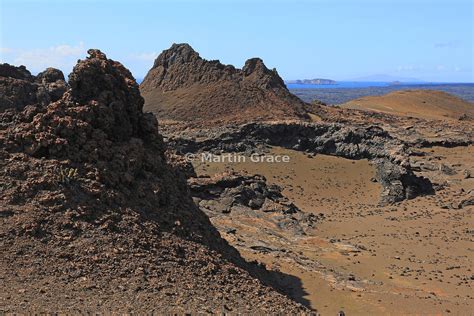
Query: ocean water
<point x="339" y="84"/>
<point x="345" y="91"/>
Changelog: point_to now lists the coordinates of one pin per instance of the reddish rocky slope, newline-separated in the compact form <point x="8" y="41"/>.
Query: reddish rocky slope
<point x="182" y="86"/>
<point x="93" y="217"/>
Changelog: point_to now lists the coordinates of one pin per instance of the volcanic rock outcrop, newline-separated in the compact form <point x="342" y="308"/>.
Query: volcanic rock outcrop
<point x="263" y="218"/>
<point x="182" y="86"/>
<point x="19" y="88"/>
<point x="352" y="142"/>
<point x="93" y="218"/>
<point x="236" y="195"/>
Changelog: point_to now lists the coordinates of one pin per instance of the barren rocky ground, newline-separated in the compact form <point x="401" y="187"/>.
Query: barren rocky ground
<point x="412" y="257"/>
<point x="425" y="104"/>
<point x="96" y="218"/>
<point x="102" y="212"/>
<point x="373" y="213"/>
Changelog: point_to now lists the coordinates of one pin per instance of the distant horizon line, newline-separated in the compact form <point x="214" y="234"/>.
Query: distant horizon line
<point x="383" y="81"/>
<point x="414" y="81"/>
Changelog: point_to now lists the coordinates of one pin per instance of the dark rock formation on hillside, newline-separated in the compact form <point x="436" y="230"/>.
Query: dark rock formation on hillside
<point x="90" y="204"/>
<point x="371" y="142"/>
<point x="412" y="131"/>
<point x="18" y="88"/>
<point x="10" y="71"/>
<point x="51" y="84"/>
<point x="235" y="191"/>
<point x="231" y="199"/>
<point x="182" y="86"/>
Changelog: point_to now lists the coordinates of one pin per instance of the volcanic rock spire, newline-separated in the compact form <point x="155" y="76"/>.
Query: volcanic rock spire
<point x="182" y="86"/>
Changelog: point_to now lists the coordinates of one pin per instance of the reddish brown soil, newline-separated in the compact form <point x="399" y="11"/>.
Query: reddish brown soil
<point x="425" y="104"/>
<point x="411" y="258"/>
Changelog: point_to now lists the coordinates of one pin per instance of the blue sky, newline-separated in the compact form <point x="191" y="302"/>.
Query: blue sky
<point x="429" y="40"/>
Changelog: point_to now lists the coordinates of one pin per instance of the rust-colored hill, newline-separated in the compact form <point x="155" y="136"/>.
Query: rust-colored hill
<point x="426" y="104"/>
<point x="95" y="219"/>
<point x="184" y="87"/>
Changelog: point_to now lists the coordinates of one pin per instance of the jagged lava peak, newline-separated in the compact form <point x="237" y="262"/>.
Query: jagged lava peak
<point x="182" y="86"/>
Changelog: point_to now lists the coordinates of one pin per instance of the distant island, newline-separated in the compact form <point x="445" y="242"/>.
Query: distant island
<point x="385" y="78"/>
<point x="311" y="81"/>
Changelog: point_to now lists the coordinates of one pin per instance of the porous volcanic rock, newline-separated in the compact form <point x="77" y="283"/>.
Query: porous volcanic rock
<point x="19" y="88"/>
<point x="52" y="83"/>
<point x="94" y="219"/>
<point x="244" y="205"/>
<point x="235" y="195"/>
<point x="182" y="86"/>
<point x="10" y="71"/>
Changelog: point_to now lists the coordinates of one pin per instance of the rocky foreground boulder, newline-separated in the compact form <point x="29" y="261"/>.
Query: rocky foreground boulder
<point x="95" y="219"/>
<point x="19" y="88"/>
<point x="183" y="87"/>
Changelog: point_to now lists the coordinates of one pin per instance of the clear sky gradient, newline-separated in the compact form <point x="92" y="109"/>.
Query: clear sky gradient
<point x="428" y="40"/>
